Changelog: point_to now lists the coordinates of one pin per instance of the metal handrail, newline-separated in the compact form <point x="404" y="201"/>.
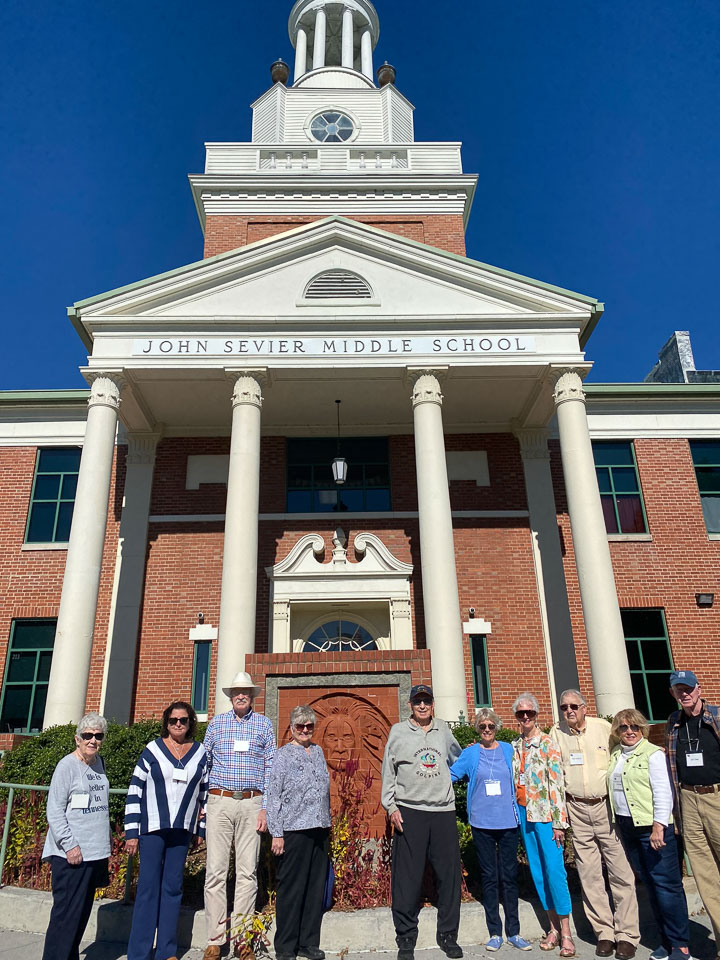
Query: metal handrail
<point x="43" y="788"/>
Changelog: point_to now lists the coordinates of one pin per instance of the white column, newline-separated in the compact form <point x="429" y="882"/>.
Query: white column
<point x="443" y="629"/>
<point x="347" y="38"/>
<point x="238" y="596"/>
<point x="121" y="650"/>
<point x="319" y="44"/>
<point x="547" y="558"/>
<point x="366" y="61"/>
<point x="300" y="54"/>
<point x="601" y="612"/>
<point x="70" y="669"/>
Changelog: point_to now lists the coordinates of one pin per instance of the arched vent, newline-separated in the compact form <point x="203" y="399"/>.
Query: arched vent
<point x="336" y="284"/>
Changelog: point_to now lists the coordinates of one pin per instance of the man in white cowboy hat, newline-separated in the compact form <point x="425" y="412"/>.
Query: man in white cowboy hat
<point x="240" y="745"/>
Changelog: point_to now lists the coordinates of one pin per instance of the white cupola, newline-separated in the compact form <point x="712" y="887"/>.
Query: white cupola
<point x="336" y="37"/>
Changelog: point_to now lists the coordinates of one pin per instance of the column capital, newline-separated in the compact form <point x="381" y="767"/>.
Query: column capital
<point x="568" y="385"/>
<point x="105" y="389"/>
<point x="426" y="384"/>
<point x="141" y="447"/>
<point x="247" y="385"/>
<point x="533" y="443"/>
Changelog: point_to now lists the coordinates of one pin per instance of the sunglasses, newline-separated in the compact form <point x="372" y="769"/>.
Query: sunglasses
<point x="422" y="702"/>
<point x="530" y="714"/>
<point x="486" y="726"/>
<point x="569" y="706"/>
<point x="300" y="727"/>
<point x="624" y="727"/>
<point x="92" y="736"/>
<point x="183" y="721"/>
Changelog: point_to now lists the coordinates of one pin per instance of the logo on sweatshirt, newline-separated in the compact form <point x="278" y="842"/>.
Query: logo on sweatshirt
<point x="428" y="763"/>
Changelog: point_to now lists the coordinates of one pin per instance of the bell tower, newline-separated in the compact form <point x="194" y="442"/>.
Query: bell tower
<point x="335" y="141"/>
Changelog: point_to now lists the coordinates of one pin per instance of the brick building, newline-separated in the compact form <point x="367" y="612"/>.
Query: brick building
<point x="500" y="527"/>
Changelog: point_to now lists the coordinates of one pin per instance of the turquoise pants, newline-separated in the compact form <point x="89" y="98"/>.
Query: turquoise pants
<point x="547" y="866"/>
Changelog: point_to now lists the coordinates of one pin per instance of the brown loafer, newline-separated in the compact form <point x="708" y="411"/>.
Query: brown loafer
<point x="212" y="952"/>
<point x="624" y="950"/>
<point x="605" y="948"/>
<point x="244" y="951"/>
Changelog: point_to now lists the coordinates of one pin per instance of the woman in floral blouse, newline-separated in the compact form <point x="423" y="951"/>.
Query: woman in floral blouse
<point x="540" y="795"/>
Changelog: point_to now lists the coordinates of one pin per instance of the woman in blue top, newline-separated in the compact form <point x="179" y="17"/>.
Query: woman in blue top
<point x="487" y="766"/>
<point x="168" y="791"/>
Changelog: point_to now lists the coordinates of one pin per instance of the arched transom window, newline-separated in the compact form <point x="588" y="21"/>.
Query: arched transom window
<point x="334" y="284"/>
<point x="339" y="635"/>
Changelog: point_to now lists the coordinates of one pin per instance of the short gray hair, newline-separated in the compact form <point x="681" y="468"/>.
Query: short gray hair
<point x="526" y="698"/>
<point x="572" y="692"/>
<point x="487" y="713"/>
<point x="91" y="721"/>
<point x="302" y="714"/>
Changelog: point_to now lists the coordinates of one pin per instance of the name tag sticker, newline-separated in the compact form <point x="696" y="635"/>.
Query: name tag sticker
<point x="179" y="775"/>
<point x="617" y="781"/>
<point x="521" y="779"/>
<point x="694" y="759"/>
<point x="80" y="801"/>
<point x="241" y="746"/>
<point x="577" y="759"/>
<point x="492" y="788"/>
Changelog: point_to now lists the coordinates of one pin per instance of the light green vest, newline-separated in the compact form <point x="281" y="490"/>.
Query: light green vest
<point x="636" y="782"/>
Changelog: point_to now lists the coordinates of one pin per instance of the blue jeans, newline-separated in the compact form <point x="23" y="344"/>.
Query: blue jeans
<point x="159" y="893"/>
<point x="547" y="865"/>
<point x="660" y="872"/>
<point x="497" y="859"/>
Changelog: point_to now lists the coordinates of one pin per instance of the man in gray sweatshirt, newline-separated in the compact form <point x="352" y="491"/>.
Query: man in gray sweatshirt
<point x="418" y="796"/>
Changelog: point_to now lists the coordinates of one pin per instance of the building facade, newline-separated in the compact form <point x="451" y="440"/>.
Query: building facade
<point x="501" y="526"/>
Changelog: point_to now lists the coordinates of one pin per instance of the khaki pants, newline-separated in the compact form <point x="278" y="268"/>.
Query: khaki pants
<point x="701" y="835"/>
<point x="230" y="822"/>
<point x="595" y="839"/>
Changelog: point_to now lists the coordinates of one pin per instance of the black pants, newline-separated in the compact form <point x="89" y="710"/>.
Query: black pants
<point x="301" y="874"/>
<point x="73" y="891"/>
<point x="497" y="859"/>
<point x="425" y="836"/>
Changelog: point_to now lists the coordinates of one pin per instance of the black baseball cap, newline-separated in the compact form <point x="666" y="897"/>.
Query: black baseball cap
<point x="421" y="688"/>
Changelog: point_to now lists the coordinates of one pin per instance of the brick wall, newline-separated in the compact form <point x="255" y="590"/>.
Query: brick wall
<point x="224" y="233"/>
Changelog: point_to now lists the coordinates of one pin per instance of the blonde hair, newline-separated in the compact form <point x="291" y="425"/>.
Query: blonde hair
<point x="628" y="716"/>
<point x="487" y="713"/>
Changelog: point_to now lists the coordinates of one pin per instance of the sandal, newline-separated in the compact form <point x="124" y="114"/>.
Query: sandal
<point x="567" y="951"/>
<point x="550" y="940"/>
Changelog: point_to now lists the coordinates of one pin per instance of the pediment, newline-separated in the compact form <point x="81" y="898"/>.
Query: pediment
<point x="268" y="279"/>
<point x="305" y="560"/>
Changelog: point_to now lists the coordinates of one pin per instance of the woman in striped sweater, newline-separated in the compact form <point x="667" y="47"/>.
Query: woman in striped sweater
<point x="168" y="791"/>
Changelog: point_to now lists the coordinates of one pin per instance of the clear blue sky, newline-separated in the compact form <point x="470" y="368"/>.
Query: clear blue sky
<point x="593" y="125"/>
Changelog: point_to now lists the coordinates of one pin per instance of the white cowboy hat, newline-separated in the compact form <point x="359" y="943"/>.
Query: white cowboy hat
<point x="242" y="681"/>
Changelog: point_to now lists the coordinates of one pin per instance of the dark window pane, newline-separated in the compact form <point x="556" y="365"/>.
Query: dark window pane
<point x="202" y="677"/>
<point x="608" y="509"/>
<point x="708" y="479"/>
<point x="631" y="515"/>
<point x="322" y="475"/>
<point x="33" y="635"/>
<point x="351" y="499"/>
<point x="59" y="460"/>
<point x="625" y="480"/>
<point x="638" y="685"/>
<point x="711" y="512"/>
<point x="21" y="667"/>
<point x="377" y="499"/>
<point x="299" y="476"/>
<point x="377" y="475"/>
<point x="47" y="487"/>
<point x="633" y="652"/>
<point x="69" y="486"/>
<point x="603" y="478"/>
<point x="38" y="708"/>
<point x="705" y="451"/>
<point x="16" y="709"/>
<point x="613" y="454"/>
<point x="326" y="501"/>
<point x="643" y="623"/>
<point x="299" y="501"/>
<point x="656" y="655"/>
<point x="661" y="702"/>
<point x="64" y="521"/>
<point x="480" y="677"/>
<point x="42" y="523"/>
<point x="45" y="662"/>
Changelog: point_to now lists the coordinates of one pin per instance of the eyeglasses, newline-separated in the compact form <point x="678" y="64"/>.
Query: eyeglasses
<point x="241" y="696"/>
<point x="522" y="714"/>
<point x="624" y="727"/>
<point x="570" y="706"/>
<point x="183" y="721"/>
<point x="92" y="736"/>
<point x="486" y="726"/>
<point x="422" y="702"/>
<point x="300" y="727"/>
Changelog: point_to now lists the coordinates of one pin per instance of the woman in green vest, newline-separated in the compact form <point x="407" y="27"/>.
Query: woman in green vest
<point x="642" y="799"/>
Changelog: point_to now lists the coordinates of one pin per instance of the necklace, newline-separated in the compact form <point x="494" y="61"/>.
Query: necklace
<point x="180" y="752"/>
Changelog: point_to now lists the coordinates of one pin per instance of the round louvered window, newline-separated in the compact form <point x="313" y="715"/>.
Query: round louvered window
<point x="337" y="284"/>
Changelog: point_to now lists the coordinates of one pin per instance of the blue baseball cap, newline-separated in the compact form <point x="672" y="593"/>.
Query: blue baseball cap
<point x="421" y="688"/>
<point x="686" y="677"/>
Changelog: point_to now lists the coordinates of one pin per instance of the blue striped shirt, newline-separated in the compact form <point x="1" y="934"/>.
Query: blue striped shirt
<point x="241" y="751"/>
<point x="157" y="801"/>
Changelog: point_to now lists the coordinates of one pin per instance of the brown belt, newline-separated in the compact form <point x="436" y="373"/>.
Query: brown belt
<point x="590" y="801"/>
<point x="710" y="788"/>
<point x="236" y="794"/>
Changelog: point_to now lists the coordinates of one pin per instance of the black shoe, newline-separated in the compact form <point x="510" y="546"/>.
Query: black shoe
<point x="311" y="953"/>
<point x="406" y="948"/>
<point x="449" y="945"/>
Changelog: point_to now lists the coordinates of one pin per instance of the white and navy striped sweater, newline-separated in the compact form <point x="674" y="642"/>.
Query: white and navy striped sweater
<point x="157" y="802"/>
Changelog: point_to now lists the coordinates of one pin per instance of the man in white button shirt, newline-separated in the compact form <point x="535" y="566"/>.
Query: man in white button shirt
<point x="584" y="744"/>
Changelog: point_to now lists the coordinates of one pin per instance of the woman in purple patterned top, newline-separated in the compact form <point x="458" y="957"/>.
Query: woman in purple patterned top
<point x="298" y="817"/>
